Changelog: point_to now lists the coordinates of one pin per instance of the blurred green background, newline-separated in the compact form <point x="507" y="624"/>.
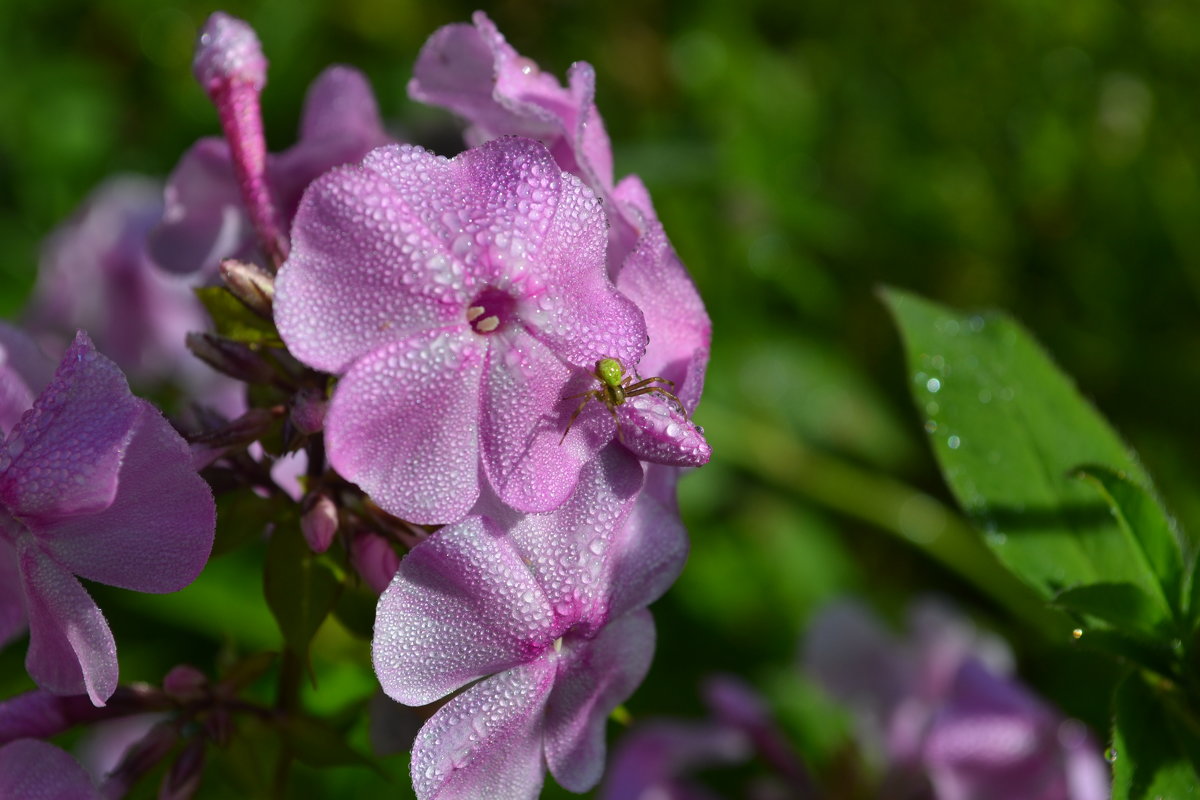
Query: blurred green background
<point x="1038" y="158"/>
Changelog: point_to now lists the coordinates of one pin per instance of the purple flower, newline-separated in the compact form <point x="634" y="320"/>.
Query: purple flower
<point x="206" y="217"/>
<point x="458" y="299"/>
<point x="654" y="759"/>
<point x="942" y="703"/>
<point x="35" y="770"/>
<point x="473" y="71"/>
<point x="94" y="482"/>
<point x="547" y="613"/>
<point x="95" y="274"/>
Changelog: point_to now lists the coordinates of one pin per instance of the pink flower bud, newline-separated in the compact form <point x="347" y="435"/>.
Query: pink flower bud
<point x="185" y="681"/>
<point x="228" y="51"/>
<point x="308" y="410"/>
<point x="374" y="559"/>
<point x="319" y="523"/>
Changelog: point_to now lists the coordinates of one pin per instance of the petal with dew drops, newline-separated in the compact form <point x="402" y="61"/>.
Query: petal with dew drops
<point x="649" y="548"/>
<point x="64" y="457"/>
<point x="463" y="605"/>
<point x="654" y="430"/>
<point x="203" y="220"/>
<point x="527" y="461"/>
<point x="158" y="533"/>
<point x="371" y="260"/>
<point x="403" y="425"/>
<point x="35" y="770"/>
<point x="71" y="649"/>
<point x="594" y="677"/>
<point x="569" y="550"/>
<point x="487" y="741"/>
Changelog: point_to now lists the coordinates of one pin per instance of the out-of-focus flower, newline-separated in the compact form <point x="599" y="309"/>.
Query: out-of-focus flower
<point x="32" y="770"/>
<point x="942" y="703"/>
<point x="547" y="613"/>
<point x="211" y="213"/>
<point x="94" y="482"/>
<point x="95" y="274"/>
<point x="457" y="299"/>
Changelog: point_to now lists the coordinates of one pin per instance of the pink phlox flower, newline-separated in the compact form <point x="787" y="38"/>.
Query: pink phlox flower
<point x="205" y="220"/>
<point x="542" y="617"/>
<point x="943" y="703"/>
<point x="35" y="770"/>
<point x="95" y="482"/>
<point x="457" y="299"/>
<point x="95" y="273"/>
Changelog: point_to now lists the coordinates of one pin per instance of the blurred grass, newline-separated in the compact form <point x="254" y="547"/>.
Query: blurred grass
<point x="983" y="154"/>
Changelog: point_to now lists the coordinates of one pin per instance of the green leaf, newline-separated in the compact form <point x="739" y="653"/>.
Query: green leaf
<point x="318" y="744"/>
<point x="1007" y="428"/>
<point x="234" y="321"/>
<point x="300" y="589"/>
<point x="1154" y="746"/>
<point x="1121" y="605"/>
<point x="242" y="516"/>
<point x="1151" y="532"/>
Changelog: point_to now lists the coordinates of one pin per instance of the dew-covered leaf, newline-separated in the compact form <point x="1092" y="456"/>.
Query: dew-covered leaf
<point x="1008" y="427"/>
<point x="1154" y="751"/>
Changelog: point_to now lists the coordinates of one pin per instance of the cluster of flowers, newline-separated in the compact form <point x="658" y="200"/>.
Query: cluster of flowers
<point x="517" y="352"/>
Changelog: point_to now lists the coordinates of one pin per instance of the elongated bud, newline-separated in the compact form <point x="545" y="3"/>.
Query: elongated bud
<point x="308" y="410"/>
<point x="230" y="66"/>
<point x="251" y="284"/>
<point x="249" y="427"/>
<point x="235" y="359"/>
<point x="374" y="559"/>
<point x="319" y="523"/>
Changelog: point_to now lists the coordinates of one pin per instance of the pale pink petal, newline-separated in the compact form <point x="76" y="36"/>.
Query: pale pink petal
<point x="15" y="397"/>
<point x="594" y="677"/>
<point x="24" y="372"/>
<point x="570" y="549"/>
<point x="34" y="770"/>
<point x="403" y="425"/>
<point x="158" y="533"/>
<point x="371" y="259"/>
<point x="71" y="649"/>
<point x="653" y="277"/>
<point x="487" y="741"/>
<point x="203" y="220"/>
<point x="12" y="606"/>
<point x="654" y="430"/>
<point x="649" y="549"/>
<point x="65" y="456"/>
<point x="527" y="461"/>
<point x="464" y="604"/>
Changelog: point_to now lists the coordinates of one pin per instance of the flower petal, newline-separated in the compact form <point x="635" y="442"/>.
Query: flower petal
<point x="24" y="373"/>
<point x="654" y="430"/>
<point x="462" y="606"/>
<point x="158" y="533"/>
<point x="34" y="770"/>
<point x="71" y="649"/>
<point x="649" y="549"/>
<point x="371" y="259"/>
<point x="653" y="277"/>
<point x="527" y="461"/>
<point x="487" y="741"/>
<point x="403" y="425"/>
<point x="203" y="221"/>
<point x="12" y="607"/>
<point x="594" y="677"/>
<point x="39" y="714"/>
<point x="65" y="455"/>
<point x="570" y="550"/>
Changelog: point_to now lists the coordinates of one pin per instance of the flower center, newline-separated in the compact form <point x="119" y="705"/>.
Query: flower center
<point x="491" y="311"/>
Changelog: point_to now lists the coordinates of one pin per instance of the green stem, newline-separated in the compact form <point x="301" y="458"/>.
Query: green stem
<point x="291" y="673"/>
<point x="782" y="460"/>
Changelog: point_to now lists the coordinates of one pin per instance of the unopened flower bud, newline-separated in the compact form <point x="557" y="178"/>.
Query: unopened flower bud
<point x="182" y="780"/>
<point x="235" y="359"/>
<point x="185" y="682"/>
<point x="308" y="410"/>
<point x="319" y="522"/>
<point x="228" y="51"/>
<point x="251" y="284"/>
<point x="374" y="559"/>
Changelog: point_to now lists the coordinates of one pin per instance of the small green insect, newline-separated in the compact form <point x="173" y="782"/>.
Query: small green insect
<point x="615" y="387"/>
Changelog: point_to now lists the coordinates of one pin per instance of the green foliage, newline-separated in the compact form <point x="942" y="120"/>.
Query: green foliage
<point x="233" y="320"/>
<point x="1008" y="428"/>
<point x="1156" y="746"/>
<point x="300" y="588"/>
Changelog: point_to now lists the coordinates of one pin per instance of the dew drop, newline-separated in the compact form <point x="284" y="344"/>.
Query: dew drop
<point x="954" y="442"/>
<point x="933" y="384"/>
<point x="1077" y="634"/>
<point x="1110" y="754"/>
